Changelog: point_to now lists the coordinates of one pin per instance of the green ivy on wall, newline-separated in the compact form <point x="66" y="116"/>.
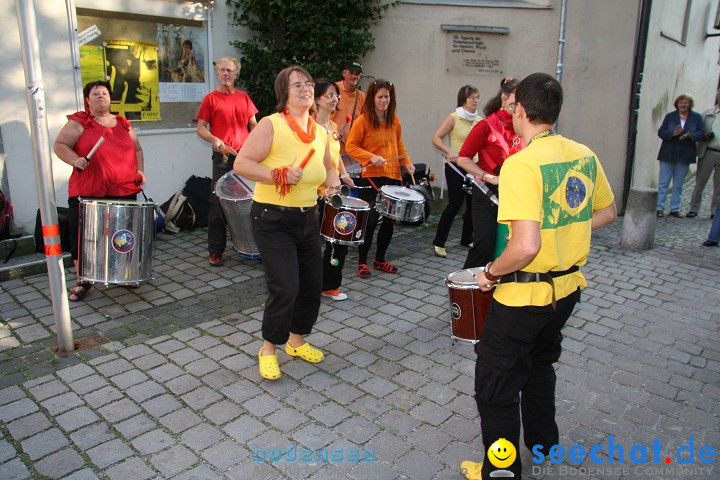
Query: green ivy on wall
<point x="320" y="35"/>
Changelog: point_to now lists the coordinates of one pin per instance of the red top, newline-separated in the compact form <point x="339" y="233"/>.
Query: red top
<point x="111" y="171"/>
<point x="482" y="137"/>
<point x="228" y="115"/>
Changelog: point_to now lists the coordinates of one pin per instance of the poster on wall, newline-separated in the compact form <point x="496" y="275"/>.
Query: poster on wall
<point x="475" y="54"/>
<point x="132" y="68"/>
<point x="181" y="61"/>
<point x="92" y="64"/>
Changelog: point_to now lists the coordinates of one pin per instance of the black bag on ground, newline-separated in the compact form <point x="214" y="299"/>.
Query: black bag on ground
<point x="179" y="215"/>
<point x="197" y="191"/>
<point x="62" y="215"/>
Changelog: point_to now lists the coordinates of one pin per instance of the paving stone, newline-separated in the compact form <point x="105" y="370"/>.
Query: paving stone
<point x="15" y="470"/>
<point x="129" y="378"/>
<point x="357" y="429"/>
<point x="225" y="454"/>
<point x="153" y="442"/>
<point x="91" y="436"/>
<point x="47" y="390"/>
<point x="244" y="429"/>
<point x="44" y="443"/>
<point x="86" y="474"/>
<point x="131" y="469"/>
<point x="28" y="426"/>
<point x="114" y="367"/>
<point x="203" y="472"/>
<point x="74" y="373"/>
<point x="430" y="412"/>
<point x="162" y="405"/>
<point x="329" y="413"/>
<point x="19" y="408"/>
<point x="137" y="425"/>
<point x="201" y="437"/>
<point x="201" y="398"/>
<point x="173" y="460"/>
<point x="88" y="384"/>
<point x="149" y="361"/>
<point x="109" y="453"/>
<point x="103" y="396"/>
<point x="314" y="436"/>
<point x="118" y="411"/>
<point x="180" y="420"/>
<point x="286" y="419"/>
<point x="60" y="464"/>
<point x="183" y="384"/>
<point x="165" y="372"/>
<point x="7" y="451"/>
<point x="11" y="394"/>
<point x="145" y="391"/>
<point x="222" y="412"/>
<point x="75" y="419"/>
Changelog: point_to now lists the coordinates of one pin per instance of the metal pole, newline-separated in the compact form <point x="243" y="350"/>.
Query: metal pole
<point x="43" y="171"/>
<point x="561" y="47"/>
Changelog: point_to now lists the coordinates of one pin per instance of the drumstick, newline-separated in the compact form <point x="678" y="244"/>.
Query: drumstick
<point x="413" y="179"/>
<point x="307" y="158"/>
<point x="481" y="186"/>
<point x="391" y="159"/>
<point x="107" y="132"/>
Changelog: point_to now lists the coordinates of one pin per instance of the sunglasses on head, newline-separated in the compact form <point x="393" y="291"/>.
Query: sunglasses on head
<point x="382" y="83"/>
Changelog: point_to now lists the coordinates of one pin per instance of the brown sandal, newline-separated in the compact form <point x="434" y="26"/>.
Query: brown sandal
<point x="79" y="291"/>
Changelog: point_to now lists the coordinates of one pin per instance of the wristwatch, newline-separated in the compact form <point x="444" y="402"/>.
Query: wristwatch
<point x="490" y="276"/>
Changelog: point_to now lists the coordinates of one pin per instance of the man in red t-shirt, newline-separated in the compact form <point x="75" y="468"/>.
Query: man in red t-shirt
<point x="230" y="115"/>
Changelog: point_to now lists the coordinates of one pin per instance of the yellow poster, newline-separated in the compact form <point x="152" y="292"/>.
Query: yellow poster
<point x="132" y="69"/>
<point x="92" y="63"/>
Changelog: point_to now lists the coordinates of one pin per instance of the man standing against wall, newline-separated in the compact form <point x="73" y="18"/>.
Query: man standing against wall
<point x="553" y="194"/>
<point x="230" y="115"/>
<point x="708" y="160"/>
<point x="351" y="100"/>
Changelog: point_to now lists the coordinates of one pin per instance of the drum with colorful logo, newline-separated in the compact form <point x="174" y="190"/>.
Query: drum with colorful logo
<point x="116" y="241"/>
<point x="345" y="224"/>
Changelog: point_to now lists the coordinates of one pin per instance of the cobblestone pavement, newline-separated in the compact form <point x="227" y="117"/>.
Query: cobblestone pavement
<point x="176" y="393"/>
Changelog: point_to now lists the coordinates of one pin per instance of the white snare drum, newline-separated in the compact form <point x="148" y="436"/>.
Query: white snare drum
<point x="400" y="203"/>
<point x="116" y="241"/>
<point x="235" y="195"/>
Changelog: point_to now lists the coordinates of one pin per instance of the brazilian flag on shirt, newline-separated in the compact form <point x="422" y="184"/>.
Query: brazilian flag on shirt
<point x="568" y="190"/>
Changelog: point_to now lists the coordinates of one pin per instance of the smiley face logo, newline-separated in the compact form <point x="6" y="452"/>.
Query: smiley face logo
<point x="502" y="453"/>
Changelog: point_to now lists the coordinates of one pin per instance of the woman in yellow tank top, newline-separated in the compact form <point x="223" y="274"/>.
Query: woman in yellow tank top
<point x="457" y="125"/>
<point x="287" y="155"/>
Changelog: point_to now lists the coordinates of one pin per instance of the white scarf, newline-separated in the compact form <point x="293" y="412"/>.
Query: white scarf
<point x="462" y="113"/>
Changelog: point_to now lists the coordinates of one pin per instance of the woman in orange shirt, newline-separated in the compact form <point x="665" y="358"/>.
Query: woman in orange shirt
<point x="375" y="141"/>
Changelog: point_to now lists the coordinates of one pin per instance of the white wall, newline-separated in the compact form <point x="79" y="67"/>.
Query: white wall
<point x="672" y="69"/>
<point x="170" y="156"/>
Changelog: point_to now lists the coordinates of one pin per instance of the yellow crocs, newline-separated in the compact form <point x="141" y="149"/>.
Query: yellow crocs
<point x="306" y="352"/>
<point x="269" y="367"/>
<point x="471" y="470"/>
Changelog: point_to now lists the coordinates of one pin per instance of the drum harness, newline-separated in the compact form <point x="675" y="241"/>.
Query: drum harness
<point x="532" y="277"/>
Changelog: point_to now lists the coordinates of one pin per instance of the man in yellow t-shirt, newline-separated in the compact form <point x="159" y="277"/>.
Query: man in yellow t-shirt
<point x="554" y="193"/>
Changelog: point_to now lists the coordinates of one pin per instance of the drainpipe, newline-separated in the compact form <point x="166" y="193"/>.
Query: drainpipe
<point x="637" y="78"/>
<point x="561" y="47"/>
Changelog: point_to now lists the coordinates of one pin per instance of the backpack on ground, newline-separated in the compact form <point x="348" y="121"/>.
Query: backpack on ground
<point x="197" y="191"/>
<point x="6" y="214"/>
<point x="179" y="215"/>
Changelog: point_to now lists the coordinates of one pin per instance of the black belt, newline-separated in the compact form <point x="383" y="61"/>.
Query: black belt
<point x="713" y="149"/>
<point x="283" y="208"/>
<point x="530" y="277"/>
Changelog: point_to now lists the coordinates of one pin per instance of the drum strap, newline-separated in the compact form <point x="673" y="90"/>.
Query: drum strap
<point x="530" y="277"/>
<point x="373" y="184"/>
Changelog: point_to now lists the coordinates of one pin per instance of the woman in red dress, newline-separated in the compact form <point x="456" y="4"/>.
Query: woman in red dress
<point x="115" y="170"/>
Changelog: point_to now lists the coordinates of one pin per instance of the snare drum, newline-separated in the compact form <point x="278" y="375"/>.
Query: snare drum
<point x="235" y="195"/>
<point x="345" y="225"/>
<point x="468" y="305"/>
<point x="400" y="203"/>
<point x="117" y="238"/>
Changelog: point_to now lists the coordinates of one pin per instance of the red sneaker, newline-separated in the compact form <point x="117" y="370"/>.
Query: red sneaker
<point x="216" y="259"/>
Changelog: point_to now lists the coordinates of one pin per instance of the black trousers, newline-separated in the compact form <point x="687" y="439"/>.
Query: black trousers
<point x="74" y="221"/>
<point x="456" y="196"/>
<point x="514" y="372"/>
<point x="484" y="223"/>
<point x="387" y="225"/>
<point x="289" y="244"/>
<point x="217" y="232"/>
<point x="331" y="274"/>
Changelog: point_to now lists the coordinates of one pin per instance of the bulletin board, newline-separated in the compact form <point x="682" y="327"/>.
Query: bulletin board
<point x="156" y="65"/>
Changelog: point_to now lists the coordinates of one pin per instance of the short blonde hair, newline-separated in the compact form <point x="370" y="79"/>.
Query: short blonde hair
<point x="234" y="60"/>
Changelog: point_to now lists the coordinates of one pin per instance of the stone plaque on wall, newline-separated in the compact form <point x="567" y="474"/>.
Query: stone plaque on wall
<point x="473" y="53"/>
